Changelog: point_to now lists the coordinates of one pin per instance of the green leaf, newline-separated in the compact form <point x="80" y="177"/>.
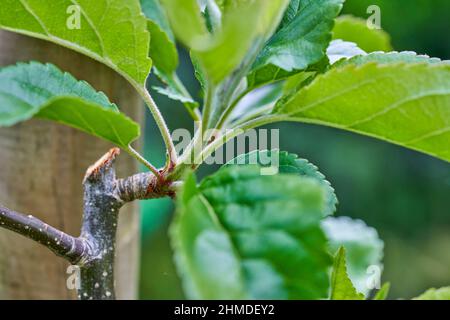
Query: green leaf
<point x="435" y="294"/>
<point x="385" y="58"/>
<point x="241" y="235"/>
<point x="175" y="89"/>
<point x="302" y="40"/>
<point x="186" y="21"/>
<point x="244" y="24"/>
<point x="113" y="32"/>
<point x="255" y="103"/>
<point x="267" y="74"/>
<point x="339" y="50"/>
<point x="153" y="10"/>
<point x="349" y="28"/>
<point x="341" y="286"/>
<point x="404" y="103"/>
<point x="383" y="292"/>
<point x="363" y="246"/>
<point x="93" y="119"/>
<point x="163" y="50"/>
<point x="164" y="53"/>
<point x="37" y="90"/>
<point x="289" y="163"/>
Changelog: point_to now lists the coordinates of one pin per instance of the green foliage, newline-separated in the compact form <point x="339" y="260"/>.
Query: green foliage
<point x="341" y="285"/>
<point x="227" y="238"/>
<point x="389" y="101"/>
<point x="299" y="43"/>
<point x="363" y="246"/>
<point x="174" y="89"/>
<point x="186" y="21"/>
<point x="254" y="229"/>
<point x="244" y="24"/>
<point x="111" y="31"/>
<point x="339" y="50"/>
<point x="37" y="90"/>
<point x="391" y="57"/>
<point x="383" y="293"/>
<point x="308" y="32"/>
<point x="355" y="30"/>
<point x="435" y="294"/>
<point x="163" y="50"/>
<point x="288" y="163"/>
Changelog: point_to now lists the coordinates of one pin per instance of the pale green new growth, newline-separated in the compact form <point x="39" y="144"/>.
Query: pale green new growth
<point x="163" y="50"/>
<point x="243" y="24"/>
<point x="341" y="285"/>
<point x="383" y="293"/>
<point x="363" y="246"/>
<point x="435" y="294"/>
<point x="355" y="30"/>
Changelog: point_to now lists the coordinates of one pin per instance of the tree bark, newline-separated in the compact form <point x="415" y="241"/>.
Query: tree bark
<point x="42" y="165"/>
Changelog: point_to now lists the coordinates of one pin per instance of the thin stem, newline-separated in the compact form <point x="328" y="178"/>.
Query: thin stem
<point x="227" y="89"/>
<point x="185" y="160"/>
<point x="62" y="244"/>
<point x="144" y="161"/>
<point x="161" y="123"/>
<point x="230" y="134"/>
<point x="194" y="113"/>
<point x="230" y="109"/>
<point x="144" y="186"/>
<point x="208" y="106"/>
<point x="254" y="115"/>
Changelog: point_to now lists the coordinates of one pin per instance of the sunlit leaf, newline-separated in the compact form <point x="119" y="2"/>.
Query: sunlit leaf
<point x="341" y="286"/>
<point x="37" y="90"/>
<point x="113" y="32"/>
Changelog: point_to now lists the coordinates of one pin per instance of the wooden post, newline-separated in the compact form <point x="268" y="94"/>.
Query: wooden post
<point x="42" y="165"/>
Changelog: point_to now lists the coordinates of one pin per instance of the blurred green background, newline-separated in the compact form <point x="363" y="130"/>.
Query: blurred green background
<point x="405" y="195"/>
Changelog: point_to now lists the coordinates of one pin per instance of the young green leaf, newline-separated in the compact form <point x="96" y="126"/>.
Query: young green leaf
<point x="302" y="39"/>
<point x="343" y="50"/>
<point x="174" y="89"/>
<point x="390" y="57"/>
<point x="341" y="286"/>
<point x="289" y="163"/>
<point x="337" y="50"/>
<point x="163" y="50"/>
<point x="383" y="293"/>
<point x="435" y="294"/>
<point x="243" y="24"/>
<point x="256" y="103"/>
<point x="403" y="103"/>
<point x="187" y="21"/>
<point x="113" y="32"/>
<point x="349" y="28"/>
<point x="91" y="118"/>
<point x="364" y="247"/>
<point x="242" y="235"/>
<point x="37" y="90"/>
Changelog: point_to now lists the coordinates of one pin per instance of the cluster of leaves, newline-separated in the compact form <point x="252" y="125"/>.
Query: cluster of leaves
<point x="239" y="234"/>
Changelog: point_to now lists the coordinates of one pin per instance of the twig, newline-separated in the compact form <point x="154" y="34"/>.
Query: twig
<point x="94" y="250"/>
<point x="71" y="248"/>
<point x="161" y="123"/>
